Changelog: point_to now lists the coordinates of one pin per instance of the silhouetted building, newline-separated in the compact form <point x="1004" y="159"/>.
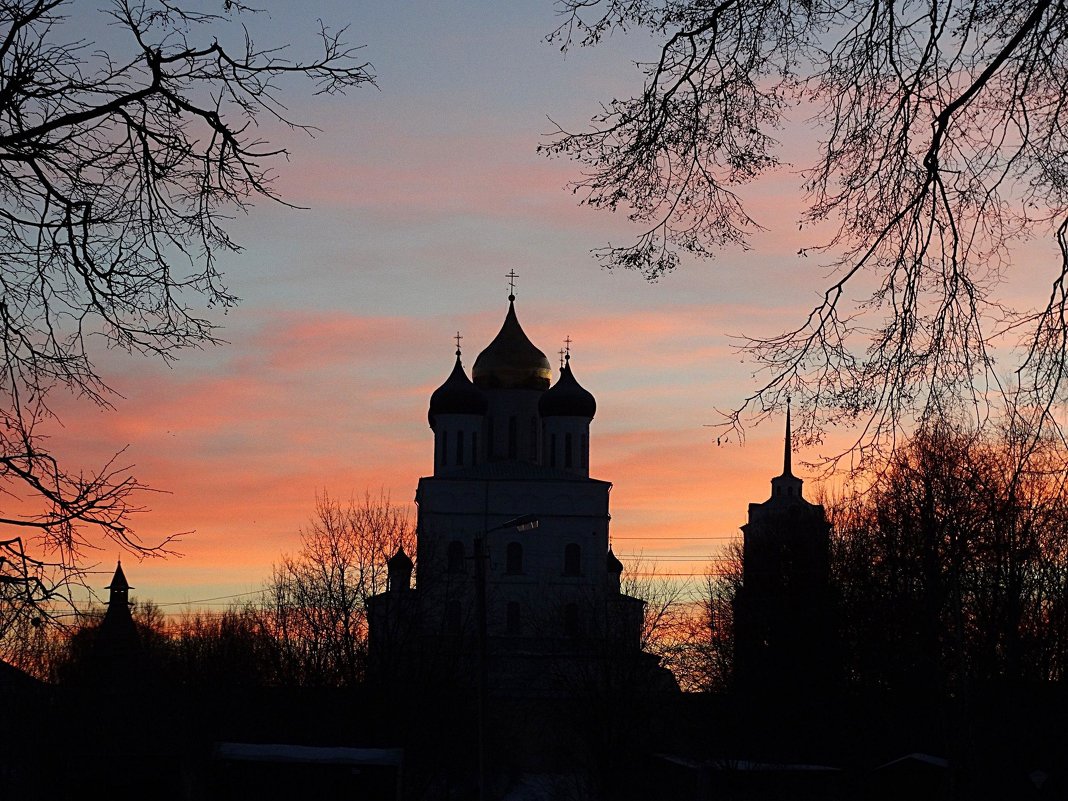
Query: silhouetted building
<point x="513" y="549"/>
<point x="113" y="654"/>
<point x="784" y="642"/>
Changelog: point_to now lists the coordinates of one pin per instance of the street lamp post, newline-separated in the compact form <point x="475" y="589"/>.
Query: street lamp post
<point x="521" y="523"/>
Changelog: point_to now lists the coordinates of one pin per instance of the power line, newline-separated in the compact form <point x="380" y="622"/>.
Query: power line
<point x="655" y="574"/>
<point x="216" y="598"/>
<point x="657" y="539"/>
<point x="667" y="557"/>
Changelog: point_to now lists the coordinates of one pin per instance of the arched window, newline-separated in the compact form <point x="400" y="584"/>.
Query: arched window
<point x="552" y="450"/>
<point x="459" y="448"/>
<point x="572" y="559"/>
<point x="514" y="622"/>
<point x="456" y="557"/>
<point x="514" y="559"/>
<point x="568" y="446"/>
<point x="571" y="620"/>
<point x="513" y="437"/>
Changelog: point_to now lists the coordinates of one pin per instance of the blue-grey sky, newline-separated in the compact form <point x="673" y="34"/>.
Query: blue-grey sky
<point x="421" y="195"/>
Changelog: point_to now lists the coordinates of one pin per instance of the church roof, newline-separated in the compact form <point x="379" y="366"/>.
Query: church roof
<point x="118" y="581"/>
<point x="457" y="395"/>
<point x="400" y="560"/>
<point x="567" y="398"/>
<point x="511" y="361"/>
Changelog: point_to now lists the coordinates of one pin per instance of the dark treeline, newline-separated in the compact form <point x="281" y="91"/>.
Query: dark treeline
<point x="949" y="576"/>
<point x="950" y="569"/>
<point x="953" y="567"/>
<point x="308" y="628"/>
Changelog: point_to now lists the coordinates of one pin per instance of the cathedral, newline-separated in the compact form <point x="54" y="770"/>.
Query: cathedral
<point x="514" y="568"/>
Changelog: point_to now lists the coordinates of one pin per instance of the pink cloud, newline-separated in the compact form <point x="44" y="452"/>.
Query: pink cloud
<point x="306" y="402"/>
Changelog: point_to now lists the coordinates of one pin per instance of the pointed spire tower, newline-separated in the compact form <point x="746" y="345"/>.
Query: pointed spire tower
<point x="118" y="643"/>
<point x="787" y="485"/>
<point x="783" y="638"/>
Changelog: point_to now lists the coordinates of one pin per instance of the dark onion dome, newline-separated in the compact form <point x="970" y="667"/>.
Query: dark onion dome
<point x="612" y="563"/>
<point x="567" y="398"/>
<point x="457" y="395"/>
<point x="400" y="561"/>
<point x="511" y="361"/>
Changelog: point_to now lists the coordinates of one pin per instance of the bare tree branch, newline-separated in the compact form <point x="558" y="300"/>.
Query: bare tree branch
<point x="118" y="174"/>
<point x="941" y="147"/>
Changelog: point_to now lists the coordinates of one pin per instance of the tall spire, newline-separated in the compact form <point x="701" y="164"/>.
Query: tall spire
<point x="786" y="459"/>
<point x="787" y="486"/>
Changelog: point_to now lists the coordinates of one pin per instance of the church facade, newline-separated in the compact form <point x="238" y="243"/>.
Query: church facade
<point x="514" y="566"/>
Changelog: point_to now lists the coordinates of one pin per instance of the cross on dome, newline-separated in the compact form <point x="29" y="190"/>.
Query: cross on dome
<point x="511" y="284"/>
<point x="457" y="338"/>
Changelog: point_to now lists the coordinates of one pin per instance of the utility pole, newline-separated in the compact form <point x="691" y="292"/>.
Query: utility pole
<point x="521" y="523"/>
<point x="483" y="667"/>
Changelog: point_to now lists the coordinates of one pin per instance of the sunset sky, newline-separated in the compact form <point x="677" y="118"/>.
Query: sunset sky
<point x="422" y="194"/>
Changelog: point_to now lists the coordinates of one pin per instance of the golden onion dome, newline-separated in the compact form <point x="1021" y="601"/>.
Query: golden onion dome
<point x="511" y="361"/>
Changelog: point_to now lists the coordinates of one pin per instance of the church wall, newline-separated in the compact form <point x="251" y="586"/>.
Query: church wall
<point x="459" y="442"/>
<point x="546" y="581"/>
<point x="566" y="444"/>
<point x="512" y="426"/>
<point x="782" y="610"/>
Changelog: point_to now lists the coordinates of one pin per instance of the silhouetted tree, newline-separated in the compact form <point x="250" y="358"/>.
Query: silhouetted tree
<point x="119" y="166"/>
<point x="704" y="661"/>
<point x="219" y="650"/>
<point x="690" y="629"/>
<point x="314" y="605"/>
<point x="939" y="145"/>
<point x="952" y="566"/>
<point x="198" y="649"/>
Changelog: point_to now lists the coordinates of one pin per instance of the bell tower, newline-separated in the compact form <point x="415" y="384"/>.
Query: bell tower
<point x="782" y="612"/>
